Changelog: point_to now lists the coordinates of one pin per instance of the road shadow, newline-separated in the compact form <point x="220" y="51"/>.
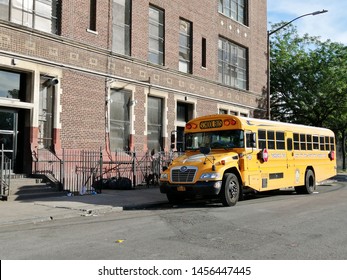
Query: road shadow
<point x="209" y="202"/>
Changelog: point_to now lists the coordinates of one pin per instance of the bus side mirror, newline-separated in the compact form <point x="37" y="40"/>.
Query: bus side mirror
<point x="253" y="140"/>
<point x="205" y="150"/>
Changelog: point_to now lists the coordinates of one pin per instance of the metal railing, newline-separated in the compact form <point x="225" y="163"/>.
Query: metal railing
<point x="78" y="170"/>
<point x="5" y="174"/>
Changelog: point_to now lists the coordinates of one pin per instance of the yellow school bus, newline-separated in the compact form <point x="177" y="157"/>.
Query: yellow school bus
<point x="227" y="156"/>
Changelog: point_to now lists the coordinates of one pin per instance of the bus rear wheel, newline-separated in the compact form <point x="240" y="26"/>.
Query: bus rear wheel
<point x="310" y="184"/>
<point x="230" y="191"/>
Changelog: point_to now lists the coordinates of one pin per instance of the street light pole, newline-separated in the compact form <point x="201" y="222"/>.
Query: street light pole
<point x="269" y="33"/>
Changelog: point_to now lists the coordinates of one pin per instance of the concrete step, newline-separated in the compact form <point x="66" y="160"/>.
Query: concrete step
<point x="30" y="189"/>
<point x="20" y="182"/>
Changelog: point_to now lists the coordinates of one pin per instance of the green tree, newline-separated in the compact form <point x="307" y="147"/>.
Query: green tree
<point x="308" y="80"/>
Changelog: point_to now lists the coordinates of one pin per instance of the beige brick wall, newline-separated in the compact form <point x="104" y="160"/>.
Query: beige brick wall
<point x="86" y="63"/>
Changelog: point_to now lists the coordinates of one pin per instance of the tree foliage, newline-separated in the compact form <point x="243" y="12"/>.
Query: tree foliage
<point x="308" y="78"/>
<point x="308" y="81"/>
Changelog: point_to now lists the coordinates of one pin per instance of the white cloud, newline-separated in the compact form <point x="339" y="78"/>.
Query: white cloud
<point x="331" y="25"/>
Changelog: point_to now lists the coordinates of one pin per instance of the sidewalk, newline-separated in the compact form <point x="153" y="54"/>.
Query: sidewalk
<point x="46" y="209"/>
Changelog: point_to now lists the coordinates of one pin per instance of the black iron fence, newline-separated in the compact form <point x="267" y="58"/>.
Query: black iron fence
<point x="82" y="171"/>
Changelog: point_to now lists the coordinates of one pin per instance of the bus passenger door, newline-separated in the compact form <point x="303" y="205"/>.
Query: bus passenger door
<point x="250" y="164"/>
<point x="290" y="174"/>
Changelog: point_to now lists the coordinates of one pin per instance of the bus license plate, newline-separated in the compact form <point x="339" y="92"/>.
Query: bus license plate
<point x="181" y="189"/>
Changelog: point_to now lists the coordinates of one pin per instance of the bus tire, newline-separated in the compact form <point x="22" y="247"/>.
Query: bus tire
<point x="310" y="184"/>
<point x="230" y="192"/>
<point x="174" y="198"/>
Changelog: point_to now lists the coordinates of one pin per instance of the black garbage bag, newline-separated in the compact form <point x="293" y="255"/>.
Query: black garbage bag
<point x="100" y="184"/>
<point x="121" y="183"/>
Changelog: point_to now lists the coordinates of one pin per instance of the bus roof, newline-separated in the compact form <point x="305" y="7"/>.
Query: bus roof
<point x="248" y="123"/>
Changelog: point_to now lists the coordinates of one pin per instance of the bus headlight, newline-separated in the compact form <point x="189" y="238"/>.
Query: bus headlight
<point x="218" y="185"/>
<point x="209" y="176"/>
<point x="164" y="176"/>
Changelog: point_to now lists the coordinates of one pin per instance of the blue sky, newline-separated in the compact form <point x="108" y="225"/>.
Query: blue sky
<point x="331" y="25"/>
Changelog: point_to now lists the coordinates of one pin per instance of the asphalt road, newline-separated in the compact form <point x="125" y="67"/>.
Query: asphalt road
<point x="277" y="226"/>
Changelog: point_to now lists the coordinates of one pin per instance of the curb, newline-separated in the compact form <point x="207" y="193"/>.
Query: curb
<point x="60" y="212"/>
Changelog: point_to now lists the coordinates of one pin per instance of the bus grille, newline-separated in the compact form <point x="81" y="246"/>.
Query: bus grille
<point x="183" y="177"/>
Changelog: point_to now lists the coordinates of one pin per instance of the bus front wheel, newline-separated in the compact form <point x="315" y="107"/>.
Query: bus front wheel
<point x="310" y="184"/>
<point x="230" y="191"/>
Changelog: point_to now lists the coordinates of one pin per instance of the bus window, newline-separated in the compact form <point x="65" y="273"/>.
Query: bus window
<point x="322" y="145"/>
<point x="315" y="142"/>
<point x="302" y="142"/>
<point x="296" y="141"/>
<point x="309" y="142"/>
<point x="261" y="139"/>
<point x="271" y="139"/>
<point x="251" y="140"/>
<point x="327" y="144"/>
<point x="289" y="144"/>
<point x="280" y="140"/>
<point x="226" y="139"/>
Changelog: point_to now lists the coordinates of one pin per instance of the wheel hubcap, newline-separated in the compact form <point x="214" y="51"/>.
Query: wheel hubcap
<point x="232" y="190"/>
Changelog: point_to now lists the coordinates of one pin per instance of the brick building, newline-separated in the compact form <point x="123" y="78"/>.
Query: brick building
<point x="123" y="74"/>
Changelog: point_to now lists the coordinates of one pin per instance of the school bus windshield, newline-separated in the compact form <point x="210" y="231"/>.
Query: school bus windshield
<point x="224" y="139"/>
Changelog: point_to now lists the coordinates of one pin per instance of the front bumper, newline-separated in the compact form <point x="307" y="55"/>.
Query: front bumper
<point x="199" y="188"/>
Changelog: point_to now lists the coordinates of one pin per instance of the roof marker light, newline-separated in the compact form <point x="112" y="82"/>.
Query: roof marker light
<point x="191" y="126"/>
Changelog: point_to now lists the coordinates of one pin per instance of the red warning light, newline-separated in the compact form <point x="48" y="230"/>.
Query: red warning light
<point x="229" y="122"/>
<point x="191" y="126"/>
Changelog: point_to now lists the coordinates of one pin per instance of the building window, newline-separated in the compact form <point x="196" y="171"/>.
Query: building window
<point x="234" y="9"/>
<point x="184" y="112"/>
<point x="156" y="36"/>
<point x="46" y="105"/>
<point x="121" y="38"/>
<point x="37" y="14"/>
<point x="183" y="115"/>
<point x="9" y="84"/>
<point x="154" y="123"/>
<point x="203" y="52"/>
<point x="185" y="52"/>
<point x="5" y="10"/>
<point x="92" y="15"/>
<point x="13" y="85"/>
<point x="119" y="119"/>
<point x="232" y="64"/>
